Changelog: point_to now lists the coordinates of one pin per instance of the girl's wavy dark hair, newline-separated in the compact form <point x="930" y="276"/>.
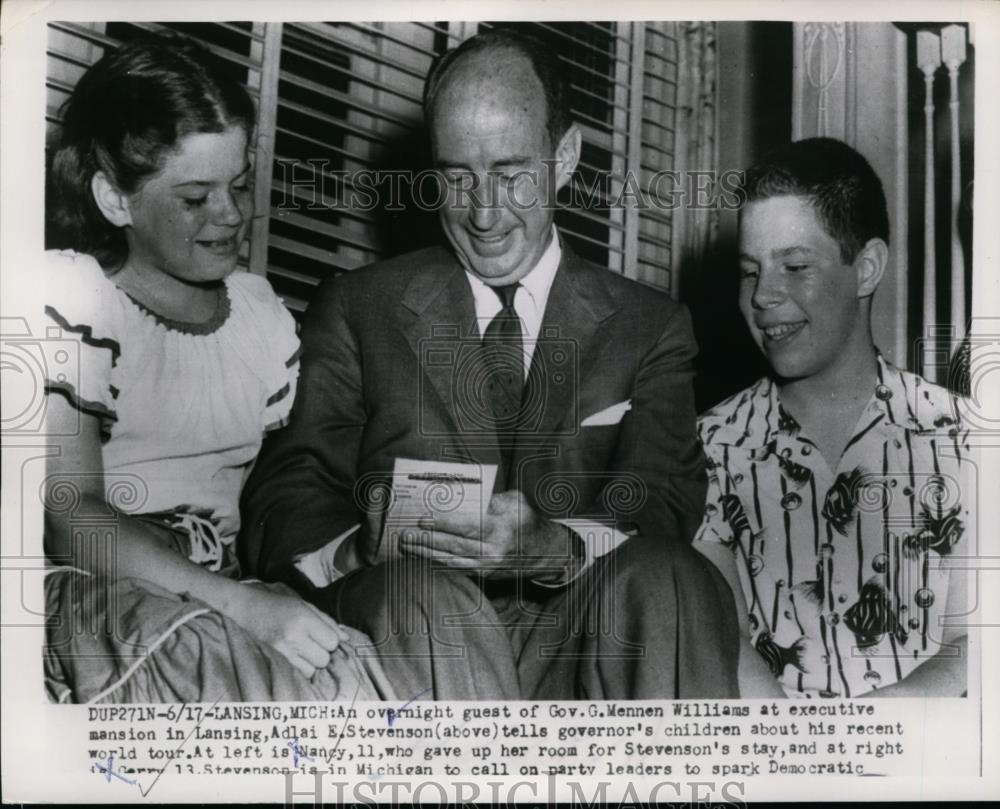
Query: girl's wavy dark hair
<point x="126" y="114"/>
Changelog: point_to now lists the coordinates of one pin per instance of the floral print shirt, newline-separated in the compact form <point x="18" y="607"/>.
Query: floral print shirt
<point x="843" y="572"/>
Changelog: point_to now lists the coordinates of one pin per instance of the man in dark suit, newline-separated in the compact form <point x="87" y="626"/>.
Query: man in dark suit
<point x="509" y="350"/>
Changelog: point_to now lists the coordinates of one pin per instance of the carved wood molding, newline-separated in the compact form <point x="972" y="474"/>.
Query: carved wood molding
<point x="824" y="89"/>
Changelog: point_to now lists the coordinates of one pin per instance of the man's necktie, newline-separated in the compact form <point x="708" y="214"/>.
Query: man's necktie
<point x="503" y="355"/>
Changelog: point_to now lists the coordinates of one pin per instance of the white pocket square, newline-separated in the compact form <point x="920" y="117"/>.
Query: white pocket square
<point x="610" y="415"/>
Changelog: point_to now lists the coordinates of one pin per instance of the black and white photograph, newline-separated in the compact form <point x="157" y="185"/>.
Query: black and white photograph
<point x="535" y="406"/>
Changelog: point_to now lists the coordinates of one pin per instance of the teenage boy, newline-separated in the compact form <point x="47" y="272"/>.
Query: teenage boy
<point x="837" y="484"/>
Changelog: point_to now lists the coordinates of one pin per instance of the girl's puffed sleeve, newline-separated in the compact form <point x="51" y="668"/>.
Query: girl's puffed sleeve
<point x="80" y="348"/>
<point x="274" y="333"/>
<point x="288" y="348"/>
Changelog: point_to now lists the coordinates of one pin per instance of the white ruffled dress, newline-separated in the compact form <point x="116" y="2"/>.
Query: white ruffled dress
<point x="183" y="409"/>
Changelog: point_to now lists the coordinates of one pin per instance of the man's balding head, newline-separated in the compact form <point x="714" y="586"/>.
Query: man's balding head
<point x="471" y="101"/>
<point x="498" y="61"/>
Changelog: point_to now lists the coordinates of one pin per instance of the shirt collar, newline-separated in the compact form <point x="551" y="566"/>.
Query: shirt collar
<point x="538" y="281"/>
<point x="755" y="418"/>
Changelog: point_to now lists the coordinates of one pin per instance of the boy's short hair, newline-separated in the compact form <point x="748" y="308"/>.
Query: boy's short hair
<point x="838" y="182"/>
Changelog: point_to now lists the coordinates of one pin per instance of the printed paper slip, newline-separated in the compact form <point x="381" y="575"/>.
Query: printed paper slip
<point x="434" y="488"/>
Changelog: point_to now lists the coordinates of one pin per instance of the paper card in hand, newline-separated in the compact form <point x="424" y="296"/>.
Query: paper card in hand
<point x="434" y="488"/>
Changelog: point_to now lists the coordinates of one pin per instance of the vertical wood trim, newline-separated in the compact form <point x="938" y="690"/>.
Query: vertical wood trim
<point x="625" y="54"/>
<point x="463" y="30"/>
<point x="798" y="79"/>
<point x="636" y="82"/>
<point x="953" y="55"/>
<point x="683" y="110"/>
<point x="957" y="256"/>
<point x="901" y="237"/>
<point x="930" y="276"/>
<point x="267" y="117"/>
<point x="930" y="259"/>
<point x="850" y="84"/>
<point x="958" y="319"/>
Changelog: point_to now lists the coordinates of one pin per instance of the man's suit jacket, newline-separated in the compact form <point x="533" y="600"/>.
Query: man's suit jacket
<point x="388" y="371"/>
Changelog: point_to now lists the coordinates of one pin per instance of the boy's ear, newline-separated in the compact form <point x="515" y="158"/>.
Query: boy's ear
<point x="112" y="202"/>
<point x="870" y="266"/>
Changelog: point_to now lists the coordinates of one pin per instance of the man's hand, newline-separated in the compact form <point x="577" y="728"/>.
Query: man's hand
<point x="510" y="540"/>
<point x="303" y="634"/>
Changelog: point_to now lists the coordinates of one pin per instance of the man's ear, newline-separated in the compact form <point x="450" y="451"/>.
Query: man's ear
<point x="870" y="266"/>
<point x="112" y="202"/>
<point x="568" y="155"/>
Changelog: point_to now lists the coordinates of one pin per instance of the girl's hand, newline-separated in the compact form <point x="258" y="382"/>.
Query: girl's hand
<point x="300" y="632"/>
<point x="303" y="634"/>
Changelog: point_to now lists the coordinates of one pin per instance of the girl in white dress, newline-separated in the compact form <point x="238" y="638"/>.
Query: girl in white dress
<point x="178" y="365"/>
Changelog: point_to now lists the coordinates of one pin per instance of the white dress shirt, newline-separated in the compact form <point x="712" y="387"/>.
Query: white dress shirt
<point x="529" y="303"/>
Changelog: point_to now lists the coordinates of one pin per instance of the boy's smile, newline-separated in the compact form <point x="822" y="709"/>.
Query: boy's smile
<point x="798" y="297"/>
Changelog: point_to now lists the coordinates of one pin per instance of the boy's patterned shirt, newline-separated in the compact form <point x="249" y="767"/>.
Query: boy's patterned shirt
<point x="843" y="572"/>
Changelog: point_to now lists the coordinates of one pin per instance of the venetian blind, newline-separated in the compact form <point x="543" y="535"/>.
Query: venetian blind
<point x="335" y="99"/>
